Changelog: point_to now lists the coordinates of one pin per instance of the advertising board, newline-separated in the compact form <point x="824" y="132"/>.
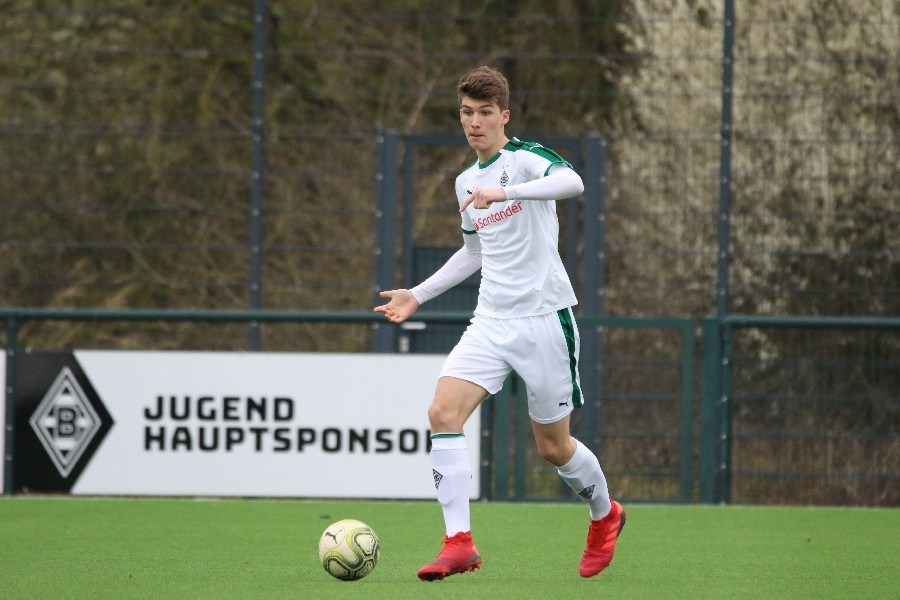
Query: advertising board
<point x="227" y="424"/>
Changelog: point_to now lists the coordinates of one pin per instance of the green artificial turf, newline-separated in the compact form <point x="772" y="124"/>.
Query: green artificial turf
<point x="70" y="547"/>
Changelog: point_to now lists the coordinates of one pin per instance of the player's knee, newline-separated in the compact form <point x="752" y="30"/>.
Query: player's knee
<point x="557" y="452"/>
<point x="441" y="418"/>
<point x="550" y="451"/>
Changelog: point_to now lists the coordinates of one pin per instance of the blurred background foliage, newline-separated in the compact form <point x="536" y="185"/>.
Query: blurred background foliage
<point x="126" y="140"/>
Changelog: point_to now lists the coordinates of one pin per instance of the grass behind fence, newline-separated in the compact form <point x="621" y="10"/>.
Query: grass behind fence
<point x="63" y="547"/>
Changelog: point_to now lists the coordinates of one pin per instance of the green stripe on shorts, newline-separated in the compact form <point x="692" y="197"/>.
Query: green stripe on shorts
<point x="565" y="319"/>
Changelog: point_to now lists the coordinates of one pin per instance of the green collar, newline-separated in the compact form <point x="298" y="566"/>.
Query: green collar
<point x="492" y="161"/>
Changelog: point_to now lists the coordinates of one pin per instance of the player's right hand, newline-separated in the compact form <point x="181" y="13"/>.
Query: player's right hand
<point x="483" y="198"/>
<point x="401" y="306"/>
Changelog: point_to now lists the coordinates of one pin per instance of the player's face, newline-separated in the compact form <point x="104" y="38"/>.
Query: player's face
<point x="483" y="123"/>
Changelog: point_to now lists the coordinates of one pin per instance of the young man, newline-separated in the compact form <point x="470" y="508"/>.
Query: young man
<point x="523" y="322"/>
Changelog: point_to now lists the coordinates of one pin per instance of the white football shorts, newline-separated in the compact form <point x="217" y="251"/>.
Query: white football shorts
<point x="542" y="350"/>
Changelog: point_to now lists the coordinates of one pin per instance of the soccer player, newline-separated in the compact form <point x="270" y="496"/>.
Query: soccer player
<point x="523" y="322"/>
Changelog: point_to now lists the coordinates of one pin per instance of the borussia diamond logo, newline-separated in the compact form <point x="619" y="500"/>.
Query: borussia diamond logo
<point x="504" y="178"/>
<point x="437" y="478"/>
<point x="65" y="422"/>
<point x="587" y="493"/>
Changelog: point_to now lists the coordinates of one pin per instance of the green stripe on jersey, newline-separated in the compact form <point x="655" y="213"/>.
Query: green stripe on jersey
<point x="490" y="162"/>
<point x="551" y="155"/>
<point x="565" y="319"/>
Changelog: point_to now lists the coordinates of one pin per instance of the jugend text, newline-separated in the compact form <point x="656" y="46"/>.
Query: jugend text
<point x="230" y="423"/>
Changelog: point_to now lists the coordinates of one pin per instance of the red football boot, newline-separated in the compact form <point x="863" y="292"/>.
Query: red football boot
<point x="601" y="541"/>
<point x="458" y="555"/>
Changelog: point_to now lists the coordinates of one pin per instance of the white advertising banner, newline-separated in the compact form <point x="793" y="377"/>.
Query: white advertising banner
<point x="244" y="424"/>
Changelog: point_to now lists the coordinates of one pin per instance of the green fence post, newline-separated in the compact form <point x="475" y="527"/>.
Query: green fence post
<point x="384" y="338"/>
<point x="725" y="423"/>
<point x="486" y="464"/>
<point x="523" y="436"/>
<point x="710" y="418"/>
<point x="258" y="167"/>
<point x="501" y="442"/>
<point x="687" y="411"/>
<point x="12" y="348"/>
<point x="590" y="423"/>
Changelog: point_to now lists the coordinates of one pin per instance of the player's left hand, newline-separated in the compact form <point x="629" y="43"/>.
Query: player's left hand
<point x="482" y="198"/>
<point x="402" y="304"/>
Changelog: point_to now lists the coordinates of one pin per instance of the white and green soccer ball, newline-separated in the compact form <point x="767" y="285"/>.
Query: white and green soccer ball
<point x="349" y="550"/>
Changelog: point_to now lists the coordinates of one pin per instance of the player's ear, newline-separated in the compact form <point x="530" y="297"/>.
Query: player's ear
<point x="504" y="116"/>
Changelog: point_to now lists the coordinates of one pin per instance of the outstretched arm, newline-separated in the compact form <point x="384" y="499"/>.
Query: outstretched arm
<point x="403" y="303"/>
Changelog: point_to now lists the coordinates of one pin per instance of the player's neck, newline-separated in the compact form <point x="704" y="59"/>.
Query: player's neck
<point x="486" y="155"/>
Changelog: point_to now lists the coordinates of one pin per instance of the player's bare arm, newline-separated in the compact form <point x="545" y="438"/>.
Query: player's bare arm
<point x="401" y="306"/>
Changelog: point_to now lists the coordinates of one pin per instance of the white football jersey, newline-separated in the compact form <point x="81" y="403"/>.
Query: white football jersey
<point x="522" y="274"/>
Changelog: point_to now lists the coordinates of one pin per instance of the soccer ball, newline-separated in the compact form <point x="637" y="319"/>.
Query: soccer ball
<point x="349" y="550"/>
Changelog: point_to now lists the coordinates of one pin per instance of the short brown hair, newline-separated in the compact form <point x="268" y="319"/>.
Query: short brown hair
<point x="485" y="83"/>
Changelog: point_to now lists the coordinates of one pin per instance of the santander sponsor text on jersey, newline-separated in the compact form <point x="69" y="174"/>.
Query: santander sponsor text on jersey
<point x="498" y="216"/>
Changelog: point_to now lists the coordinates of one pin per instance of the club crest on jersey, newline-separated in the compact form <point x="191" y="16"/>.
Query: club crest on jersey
<point x="504" y="178"/>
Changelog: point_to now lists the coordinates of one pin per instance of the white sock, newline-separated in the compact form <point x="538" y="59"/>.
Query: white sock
<point x="584" y="475"/>
<point x="452" y="474"/>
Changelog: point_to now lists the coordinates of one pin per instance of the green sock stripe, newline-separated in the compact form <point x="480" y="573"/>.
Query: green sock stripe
<point x="565" y="319"/>
<point x="443" y="436"/>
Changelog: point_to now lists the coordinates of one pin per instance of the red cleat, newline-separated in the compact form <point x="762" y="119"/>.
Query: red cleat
<point x="458" y="555"/>
<point x="601" y="541"/>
